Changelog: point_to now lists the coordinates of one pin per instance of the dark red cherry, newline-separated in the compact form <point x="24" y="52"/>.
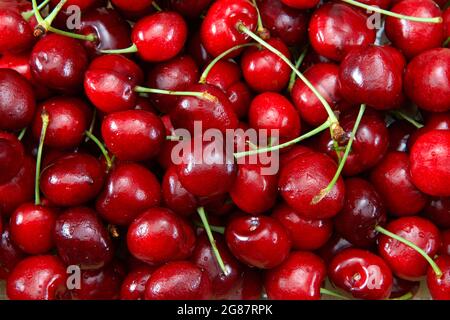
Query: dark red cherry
<point x="135" y="9"/>
<point x="399" y="135"/>
<point x="413" y="37"/>
<point x="438" y="210"/>
<point x="191" y="9"/>
<point x="265" y="71"/>
<point x="439" y="287"/>
<point x="72" y="180"/>
<point x="445" y="248"/>
<point x="405" y="262"/>
<point x="305" y="234"/>
<point x="16" y="34"/>
<point x="300" y="277"/>
<point x="361" y="273"/>
<point x="176" y="74"/>
<point x="10" y="254"/>
<point x="68" y="121"/>
<point x="175" y="196"/>
<point x="392" y="180"/>
<point x="218" y="30"/>
<point x="129" y="190"/>
<point x="17" y="101"/>
<point x="301" y="4"/>
<point x="181" y="280"/>
<point x="336" y="28"/>
<point x="158" y="235"/>
<point x="429" y="163"/>
<point x="31" y="228"/>
<point x="373" y="75"/>
<point x="427" y="75"/>
<point x="81" y="239"/>
<point x="37" y="278"/>
<point x="83" y="5"/>
<point x="335" y="245"/>
<point x="133" y="135"/>
<point x="249" y="287"/>
<point x="160" y="36"/>
<point x="133" y="286"/>
<point x="260" y="242"/>
<point x="59" y="63"/>
<point x="11" y="156"/>
<point x="303" y="178"/>
<point x="401" y="287"/>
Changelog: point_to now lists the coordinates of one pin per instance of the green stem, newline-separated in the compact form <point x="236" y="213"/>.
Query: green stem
<point x="220" y="57"/>
<point x="402" y="115"/>
<point x="446" y="42"/>
<point x="202" y="214"/>
<point x="89" y="37"/>
<point x="307" y="135"/>
<point x="156" y="6"/>
<point x="102" y="149"/>
<point x="322" y="194"/>
<point x="393" y="14"/>
<point x="217" y="229"/>
<point x="406" y="296"/>
<point x="22" y="133"/>
<point x="201" y="95"/>
<point x="297" y="66"/>
<point x="433" y="264"/>
<point x="132" y="49"/>
<point x="29" y="14"/>
<point x="260" y="25"/>
<point x="45" y="121"/>
<point x="37" y="13"/>
<point x="92" y="124"/>
<point x="174" y="138"/>
<point x="332" y="294"/>
<point x="54" y="13"/>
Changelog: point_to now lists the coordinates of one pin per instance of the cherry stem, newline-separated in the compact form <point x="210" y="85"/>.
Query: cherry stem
<point x="393" y="14"/>
<point x="101" y="147"/>
<point x="92" y="125"/>
<point x="36" y="13"/>
<point x="201" y="95"/>
<point x="29" y="14"/>
<point x="202" y="214"/>
<point x="446" y="42"/>
<point x="406" y="296"/>
<point x="297" y="66"/>
<point x="174" y="138"/>
<point x="132" y="49"/>
<point x="113" y="231"/>
<point x="242" y="28"/>
<point x="322" y="194"/>
<point x="404" y="116"/>
<point x="433" y="264"/>
<point x="217" y="229"/>
<point x="22" y="133"/>
<point x="260" y="27"/>
<point x="307" y="135"/>
<point x="156" y="6"/>
<point x="89" y="37"/>
<point x="45" y="121"/>
<point x="44" y="24"/>
<point x="332" y="294"/>
<point x="220" y="57"/>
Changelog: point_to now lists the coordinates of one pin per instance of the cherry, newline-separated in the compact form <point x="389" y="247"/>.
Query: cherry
<point x="249" y="286"/>
<point x="392" y="180"/>
<point x="303" y="178"/>
<point x="299" y="278"/>
<point x="412" y="37"/>
<point x="445" y="249"/>
<point x="438" y="210"/>
<point x="16" y="33"/>
<point x="405" y="262"/>
<point x="180" y="280"/>
<point x="305" y="234"/>
<point x="81" y="239"/>
<point x="10" y="254"/>
<point x="189" y="8"/>
<point x="133" y="286"/>
<point x="301" y="4"/>
<point x="59" y="63"/>
<point x="293" y="152"/>
<point x="175" y="196"/>
<point x="429" y="71"/>
<point x="72" y="180"/>
<point x="135" y="9"/>
<point x="37" y="278"/>
<point x="373" y="75"/>
<point x="399" y="135"/>
<point x="158" y="235"/>
<point x="82" y="4"/>
<point x="403" y="288"/>
<point x="134" y="135"/>
<point x="435" y="121"/>
<point x="12" y="155"/>
<point x="218" y="31"/>
<point x="361" y="273"/>
<point x="129" y="190"/>
<point x="17" y="103"/>
<point x="440" y="286"/>
<point x="335" y="245"/>
<point x="429" y="165"/>
<point x="260" y="241"/>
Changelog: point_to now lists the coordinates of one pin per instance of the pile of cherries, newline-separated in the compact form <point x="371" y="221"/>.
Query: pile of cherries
<point x="94" y="206"/>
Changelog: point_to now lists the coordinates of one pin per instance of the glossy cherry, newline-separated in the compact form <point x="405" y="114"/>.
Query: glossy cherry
<point x="175" y="196"/>
<point x="438" y="210"/>
<point x="440" y="286"/>
<point x="445" y="249"/>
<point x="16" y="34"/>
<point x="10" y="254"/>
<point x="12" y="155"/>
<point x="191" y="9"/>
<point x="135" y="9"/>
<point x="301" y="4"/>
<point x="335" y="245"/>
<point x="399" y="135"/>
<point x="133" y="286"/>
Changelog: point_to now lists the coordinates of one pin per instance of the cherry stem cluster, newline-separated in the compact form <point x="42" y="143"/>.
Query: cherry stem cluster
<point x="28" y="14"/>
<point x="406" y="117"/>
<point x="45" y="121"/>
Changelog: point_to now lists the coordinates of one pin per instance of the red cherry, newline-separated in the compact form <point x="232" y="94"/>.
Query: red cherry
<point x="158" y="236"/>
<point x="134" y="9"/>
<point x="301" y="4"/>
<point x="133" y="286"/>
<point x="335" y="245"/>
<point x="434" y="121"/>
<point x="399" y="135"/>
<point x="10" y="254"/>
<point x="16" y="34"/>
<point x="440" y="286"/>
<point x="260" y="241"/>
<point x="361" y="273"/>
<point x="438" y="210"/>
<point x="178" y="281"/>
<point x="175" y="196"/>
<point x="293" y="152"/>
<point x="298" y="278"/>
<point x="11" y="156"/>
<point x="191" y="9"/>
<point x="37" y="278"/>
<point x="249" y="287"/>
<point x="82" y="4"/>
<point x="445" y="249"/>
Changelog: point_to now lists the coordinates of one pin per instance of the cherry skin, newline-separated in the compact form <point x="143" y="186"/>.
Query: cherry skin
<point x="16" y="33"/>
<point x="133" y="135"/>
<point x="249" y="286"/>
<point x="133" y="286"/>
<point x="17" y="103"/>
<point x="72" y="180"/>
<point x="438" y="210"/>
<point x="335" y="245"/>
<point x="181" y="280"/>
<point x="158" y="235"/>
<point x="59" y="63"/>
<point x="10" y="254"/>
<point x="434" y="121"/>
<point x="260" y="241"/>
<point x="293" y="152"/>
<point x="303" y="178"/>
<point x="135" y="9"/>
<point x="399" y="135"/>
<point x="191" y="9"/>
<point x="430" y="72"/>
<point x="445" y="248"/>
<point x="300" y="277"/>
<point x="129" y="190"/>
<point x="160" y="36"/>
<point x="392" y="180"/>
<point x="412" y="37"/>
<point x="68" y="120"/>
<point x="373" y="75"/>
<point x="32" y="228"/>
<point x="429" y="163"/>
<point x="37" y="278"/>
<point x="81" y="239"/>
<point x="12" y="155"/>
<point x="336" y="28"/>
<point x="305" y="234"/>
<point x="175" y="196"/>
<point x="301" y="4"/>
<point x="440" y="287"/>
<point x="218" y="30"/>
<point x="82" y="4"/>
<point x="401" y="287"/>
<point x="405" y="262"/>
<point x="361" y="273"/>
